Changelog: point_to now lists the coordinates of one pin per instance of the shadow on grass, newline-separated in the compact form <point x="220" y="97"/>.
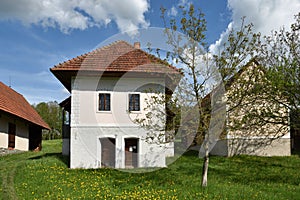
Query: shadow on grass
<point x="59" y="156"/>
<point x="253" y="169"/>
<point x="191" y="153"/>
<point x="181" y="172"/>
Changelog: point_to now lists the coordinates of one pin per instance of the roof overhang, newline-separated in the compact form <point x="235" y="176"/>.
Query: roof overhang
<point x="66" y="76"/>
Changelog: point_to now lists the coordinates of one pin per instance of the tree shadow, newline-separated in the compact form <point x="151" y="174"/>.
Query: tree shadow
<point x="253" y="169"/>
<point x="191" y="153"/>
<point x="296" y="152"/>
<point x="59" y="156"/>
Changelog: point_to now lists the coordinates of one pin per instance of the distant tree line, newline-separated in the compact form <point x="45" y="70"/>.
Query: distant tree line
<point x="51" y="113"/>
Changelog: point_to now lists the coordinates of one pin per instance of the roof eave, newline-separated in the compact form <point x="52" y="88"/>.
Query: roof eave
<point x="65" y="75"/>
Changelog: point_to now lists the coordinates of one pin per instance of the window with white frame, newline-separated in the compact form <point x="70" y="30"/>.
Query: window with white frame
<point x="104" y="102"/>
<point x="134" y="102"/>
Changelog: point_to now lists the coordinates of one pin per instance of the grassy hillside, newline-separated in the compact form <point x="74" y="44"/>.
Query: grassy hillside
<point x="45" y="175"/>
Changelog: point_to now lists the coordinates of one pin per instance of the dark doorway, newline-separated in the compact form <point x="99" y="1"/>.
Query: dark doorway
<point x="11" y="135"/>
<point x="108" y="152"/>
<point x="131" y="152"/>
<point x="295" y="143"/>
<point x="295" y="130"/>
<point x="35" y="138"/>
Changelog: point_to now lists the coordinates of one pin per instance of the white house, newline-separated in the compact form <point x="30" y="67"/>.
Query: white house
<point x="109" y="88"/>
<point x="20" y="125"/>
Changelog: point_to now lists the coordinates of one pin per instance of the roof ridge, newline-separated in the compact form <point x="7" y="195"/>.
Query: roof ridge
<point x="96" y="50"/>
<point x="113" y="43"/>
<point x="161" y="61"/>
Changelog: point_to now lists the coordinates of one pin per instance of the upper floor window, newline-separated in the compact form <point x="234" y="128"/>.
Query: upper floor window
<point x="104" y="102"/>
<point x="134" y="102"/>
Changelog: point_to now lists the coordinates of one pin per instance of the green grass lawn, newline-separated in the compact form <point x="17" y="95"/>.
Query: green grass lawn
<point x="45" y="175"/>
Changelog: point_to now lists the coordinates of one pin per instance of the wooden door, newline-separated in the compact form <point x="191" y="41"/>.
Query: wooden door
<point x="11" y="135"/>
<point x="108" y="152"/>
<point x="131" y="152"/>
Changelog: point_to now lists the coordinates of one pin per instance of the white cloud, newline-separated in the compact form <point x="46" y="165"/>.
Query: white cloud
<point x="173" y="11"/>
<point x="77" y="14"/>
<point x="266" y="15"/>
<point x="184" y="3"/>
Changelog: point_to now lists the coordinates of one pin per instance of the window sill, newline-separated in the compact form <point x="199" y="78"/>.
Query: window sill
<point x="134" y="112"/>
<point x="104" y="112"/>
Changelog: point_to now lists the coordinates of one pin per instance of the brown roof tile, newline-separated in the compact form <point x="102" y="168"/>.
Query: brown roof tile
<point x="14" y="103"/>
<point x="118" y="56"/>
<point x="115" y="58"/>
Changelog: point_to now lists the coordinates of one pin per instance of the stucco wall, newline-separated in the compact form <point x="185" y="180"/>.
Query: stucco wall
<point x="88" y="124"/>
<point x="85" y="99"/>
<point x="22" y="132"/>
<point x="258" y="147"/>
<point x="3" y="131"/>
<point x="86" y="147"/>
<point x="220" y="148"/>
<point x="256" y="123"/>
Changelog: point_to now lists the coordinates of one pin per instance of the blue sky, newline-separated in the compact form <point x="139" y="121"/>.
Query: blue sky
<point x="36" y="35"/>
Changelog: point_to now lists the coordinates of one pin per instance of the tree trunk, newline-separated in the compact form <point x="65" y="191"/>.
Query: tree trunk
<point x="205" y="164"/>
<point x="205" y="170"/>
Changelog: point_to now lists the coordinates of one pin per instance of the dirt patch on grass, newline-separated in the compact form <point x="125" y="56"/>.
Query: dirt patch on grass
<point x="5" y="151"/>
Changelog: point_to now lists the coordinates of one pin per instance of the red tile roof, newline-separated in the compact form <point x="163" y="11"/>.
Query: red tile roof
<point x="14" y="103"/>
<point x="118" y="57"/>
